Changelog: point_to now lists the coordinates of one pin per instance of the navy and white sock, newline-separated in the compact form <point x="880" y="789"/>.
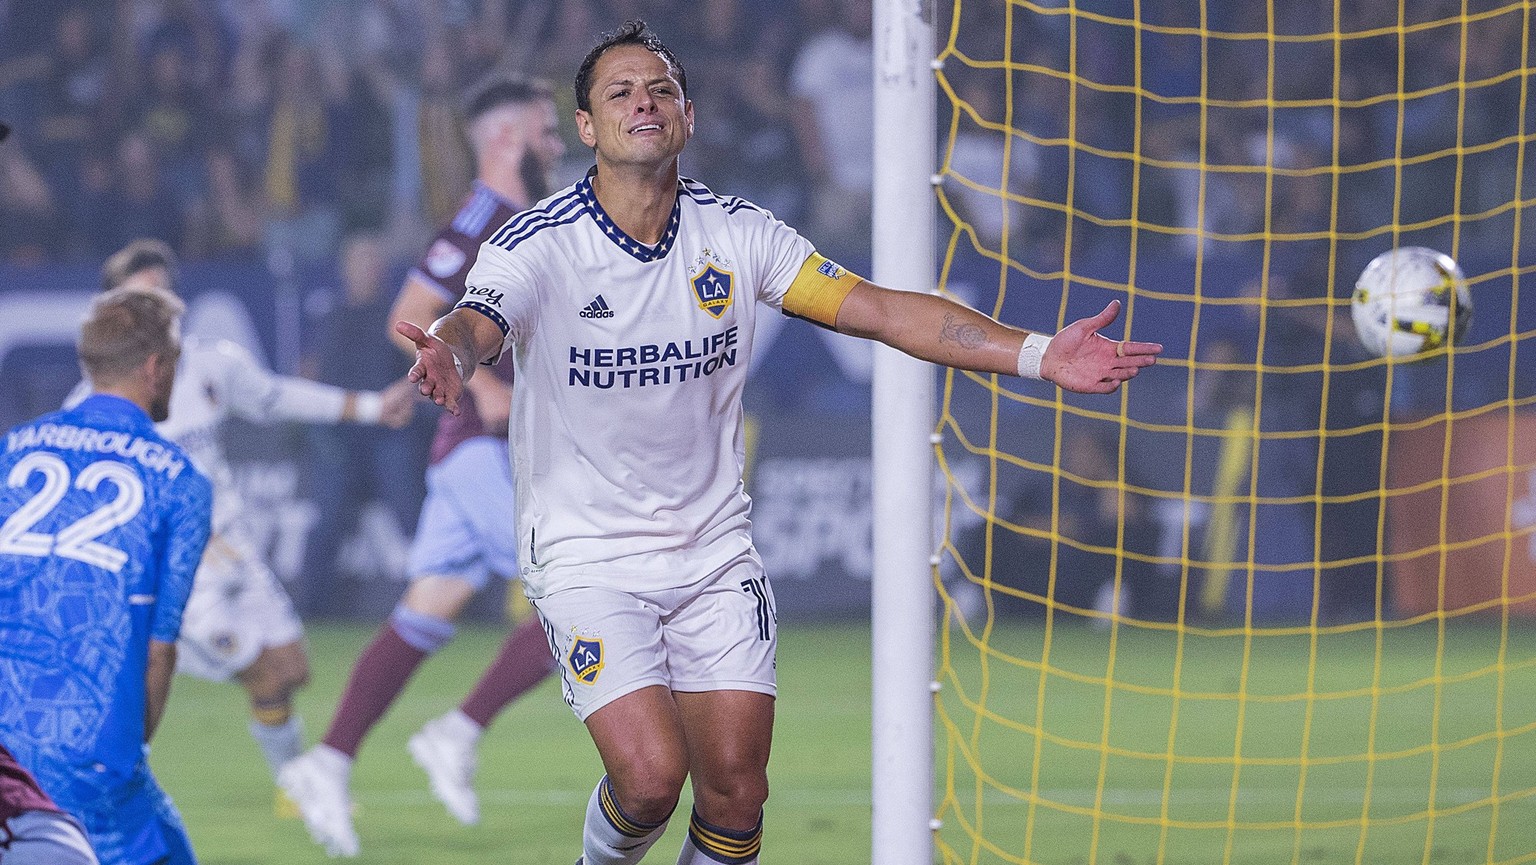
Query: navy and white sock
<point x="708" y="844"/>
<point x="611" y="837"/>
<point x="279" y="742"/>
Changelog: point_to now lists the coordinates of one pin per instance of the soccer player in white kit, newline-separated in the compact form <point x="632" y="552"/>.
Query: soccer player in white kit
<point x="627" y="303"/>
<point x="239" y="622"/>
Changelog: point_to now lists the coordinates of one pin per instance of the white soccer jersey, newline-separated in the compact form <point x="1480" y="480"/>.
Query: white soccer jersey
<point x="217" y="379"/>
<point x="627" y="424"/>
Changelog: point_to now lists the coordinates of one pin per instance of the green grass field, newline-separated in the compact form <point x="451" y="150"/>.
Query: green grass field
<point x="537" y="764"/>
<point x="538" y="767"/>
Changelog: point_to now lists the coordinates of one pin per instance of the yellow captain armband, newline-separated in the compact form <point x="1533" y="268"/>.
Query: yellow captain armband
<point x="819" y="290"/>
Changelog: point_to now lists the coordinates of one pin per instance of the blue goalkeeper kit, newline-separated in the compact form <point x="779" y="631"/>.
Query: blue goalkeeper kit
<point x="104" y="522"/>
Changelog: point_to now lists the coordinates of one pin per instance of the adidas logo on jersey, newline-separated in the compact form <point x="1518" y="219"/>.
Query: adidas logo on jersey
<point x="598" y="308"/>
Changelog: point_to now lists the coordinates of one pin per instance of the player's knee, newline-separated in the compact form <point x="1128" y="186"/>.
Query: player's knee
<point x="649" y="792"/>
<point x="292" y="666"/>
<point x="421" y="631"/>
<point x="266" y="691"/>
<point x="739" y="773"/>
<point x="438" y="597"/>
<point x="733" y="800"/>
<point x="651" y="803"/>
<point x="295" y="674"/>
<point x="275" y="675"/>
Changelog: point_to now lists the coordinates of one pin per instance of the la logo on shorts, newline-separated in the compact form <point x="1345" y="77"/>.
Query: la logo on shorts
<point x="586" y="659"/>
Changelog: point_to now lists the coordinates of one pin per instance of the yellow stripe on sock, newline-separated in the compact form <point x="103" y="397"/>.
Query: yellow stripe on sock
<point x="620" y="822"/>
<point x="272" y="717"/>
<point x="712" y="841"/>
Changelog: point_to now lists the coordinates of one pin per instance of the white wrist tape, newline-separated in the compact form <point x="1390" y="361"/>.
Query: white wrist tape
<point x="367" y="407"/>
<point x="458" y="367"/>
<point x="1030" y="355"/>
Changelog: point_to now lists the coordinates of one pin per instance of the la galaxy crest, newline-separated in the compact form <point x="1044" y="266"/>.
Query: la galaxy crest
<point x="713" y="284"/>
<point x="586" y="659"/>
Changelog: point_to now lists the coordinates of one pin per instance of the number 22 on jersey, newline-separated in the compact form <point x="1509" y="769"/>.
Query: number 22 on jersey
<point x="77" y="540"/>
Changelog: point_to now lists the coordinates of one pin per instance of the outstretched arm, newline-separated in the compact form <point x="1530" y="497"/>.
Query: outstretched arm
<point x="260" y="395"/>
<point x="418" y="303"/>
<point x="937" y="329"/>
<point x="447" y="353"/>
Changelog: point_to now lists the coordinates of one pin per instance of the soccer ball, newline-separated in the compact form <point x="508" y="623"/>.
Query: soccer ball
<point x="1411" y="300"/>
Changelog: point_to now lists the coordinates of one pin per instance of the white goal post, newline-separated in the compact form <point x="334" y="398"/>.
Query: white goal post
<point x="904" y="392"/>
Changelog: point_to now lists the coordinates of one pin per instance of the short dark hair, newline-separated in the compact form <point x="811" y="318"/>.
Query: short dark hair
<point x="633" y="32"/>
<point x="126" y="326"/>
<point x="140" y="255"/>
<point x="504" y="89"/>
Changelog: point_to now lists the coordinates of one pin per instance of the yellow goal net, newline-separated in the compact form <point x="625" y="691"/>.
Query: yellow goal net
<point x="1272" y="602"/>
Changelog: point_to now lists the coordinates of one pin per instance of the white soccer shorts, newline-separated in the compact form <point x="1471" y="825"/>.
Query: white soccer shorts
<point x="237" y="608"/>
<point x="719" y="634"/>
<point x="45" y="838"/>
<point x="466" y="529"/>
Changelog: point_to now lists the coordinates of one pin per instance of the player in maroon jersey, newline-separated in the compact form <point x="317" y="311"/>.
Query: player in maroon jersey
<point x="466" y="531"/>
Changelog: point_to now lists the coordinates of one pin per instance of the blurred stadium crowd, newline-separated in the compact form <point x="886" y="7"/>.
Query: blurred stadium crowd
<point x="252" y="127"/>
<point x="235" y="128"/>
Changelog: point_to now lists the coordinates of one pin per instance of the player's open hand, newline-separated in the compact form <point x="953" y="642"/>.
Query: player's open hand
<point x="1081" y="359"/>
<point x="435" y="372"/>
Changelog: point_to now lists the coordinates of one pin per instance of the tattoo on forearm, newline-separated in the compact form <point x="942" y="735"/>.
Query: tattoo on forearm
<point x="967" y="335"/>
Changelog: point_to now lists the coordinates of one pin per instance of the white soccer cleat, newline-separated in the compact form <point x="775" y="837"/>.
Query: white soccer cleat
<point x="317" y="782"/>
<point x="445" y="749"/>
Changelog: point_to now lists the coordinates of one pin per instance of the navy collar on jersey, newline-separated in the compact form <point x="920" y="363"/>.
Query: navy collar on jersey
<point x="616" y="234"/>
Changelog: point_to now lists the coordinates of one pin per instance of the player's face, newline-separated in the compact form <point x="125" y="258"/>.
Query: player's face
<point x="545" y="143"/>
<point x="164" y="375"/>
<point x="639" y="115"/>
<point x="539" y="126"/>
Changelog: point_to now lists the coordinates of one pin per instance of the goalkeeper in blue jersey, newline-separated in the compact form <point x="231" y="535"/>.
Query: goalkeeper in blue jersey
<point x="102" y="525"/>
